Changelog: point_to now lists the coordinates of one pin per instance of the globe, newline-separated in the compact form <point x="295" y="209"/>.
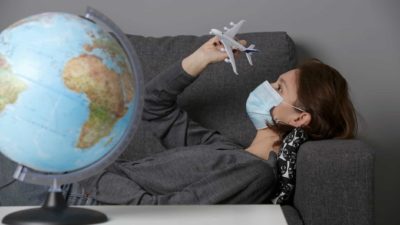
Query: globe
<point x="70" y="101"/>
<point x="67" y="92"/>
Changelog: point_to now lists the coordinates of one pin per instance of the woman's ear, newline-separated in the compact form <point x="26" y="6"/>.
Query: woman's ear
<point x="302" y="119"/>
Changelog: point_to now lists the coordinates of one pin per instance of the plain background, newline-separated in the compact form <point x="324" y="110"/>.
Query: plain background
<point x="360" y="38"/>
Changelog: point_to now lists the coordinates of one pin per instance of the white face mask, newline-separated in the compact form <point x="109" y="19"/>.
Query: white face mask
<point x="260" y="102"/>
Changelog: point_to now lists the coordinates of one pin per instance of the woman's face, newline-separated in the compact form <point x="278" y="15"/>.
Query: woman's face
<point x="286" y="86"/>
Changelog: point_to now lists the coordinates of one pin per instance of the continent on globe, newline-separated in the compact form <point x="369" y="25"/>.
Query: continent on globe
<point x="66" y="100"/>
<point x="114" y="49"/>
<point x="87" y="74"/>
<point x="10" y="85"/>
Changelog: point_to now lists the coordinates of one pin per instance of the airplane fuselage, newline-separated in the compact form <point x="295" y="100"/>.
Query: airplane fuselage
<point x="231" y="41"/>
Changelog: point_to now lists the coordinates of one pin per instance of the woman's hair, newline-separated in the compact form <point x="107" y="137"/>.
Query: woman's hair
<point x="323" y="92"/>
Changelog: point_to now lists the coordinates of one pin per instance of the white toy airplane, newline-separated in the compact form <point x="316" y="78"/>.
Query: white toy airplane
<point x="227" y="39"/>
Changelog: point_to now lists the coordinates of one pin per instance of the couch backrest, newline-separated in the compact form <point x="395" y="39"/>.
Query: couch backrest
<point x="217" y="99"/>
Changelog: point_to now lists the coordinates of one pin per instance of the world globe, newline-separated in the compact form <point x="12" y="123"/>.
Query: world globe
<point x="70" y="102"/>
<point x="67" y="93"/>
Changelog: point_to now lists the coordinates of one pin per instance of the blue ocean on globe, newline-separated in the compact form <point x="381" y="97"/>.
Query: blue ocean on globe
<point x="66" y="92"/>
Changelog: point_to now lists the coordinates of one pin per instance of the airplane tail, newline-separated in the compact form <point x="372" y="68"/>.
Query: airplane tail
<point x="249" y="51"/>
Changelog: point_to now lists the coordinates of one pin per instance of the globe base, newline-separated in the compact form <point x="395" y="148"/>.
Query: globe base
<point x="55" y="212"/>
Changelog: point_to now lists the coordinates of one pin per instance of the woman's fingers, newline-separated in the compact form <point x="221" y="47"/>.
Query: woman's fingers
<point x="243" y="42"/>
<point x="214" y="49"/>
<point x="214" y="40"/>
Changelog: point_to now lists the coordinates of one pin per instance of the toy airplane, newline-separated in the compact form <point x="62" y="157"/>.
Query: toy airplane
<point x="227" y="39"/>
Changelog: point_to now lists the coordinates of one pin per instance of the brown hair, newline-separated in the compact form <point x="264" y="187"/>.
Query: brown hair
<point x="323" y="92"/>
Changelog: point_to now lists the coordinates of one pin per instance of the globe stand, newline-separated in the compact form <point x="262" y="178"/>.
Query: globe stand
<point x="55" y="212"/>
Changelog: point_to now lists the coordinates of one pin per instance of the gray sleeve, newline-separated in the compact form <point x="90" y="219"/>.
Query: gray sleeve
<point x="168" y="122"/>
<point x="248" y="183"/>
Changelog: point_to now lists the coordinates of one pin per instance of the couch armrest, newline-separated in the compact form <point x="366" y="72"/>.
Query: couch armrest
<point x="334" y="182"/>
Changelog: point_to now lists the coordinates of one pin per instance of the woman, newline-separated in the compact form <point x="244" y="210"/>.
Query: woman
<point x="204" y="167"/>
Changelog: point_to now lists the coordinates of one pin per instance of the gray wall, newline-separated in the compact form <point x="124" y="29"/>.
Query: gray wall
<point x="358" y="37"/>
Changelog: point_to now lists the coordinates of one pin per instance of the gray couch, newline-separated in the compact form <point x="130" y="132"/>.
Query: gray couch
<point x="334" y="182"/>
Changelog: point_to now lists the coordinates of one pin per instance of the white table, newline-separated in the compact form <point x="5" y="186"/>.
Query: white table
<point x="187" y="215"/>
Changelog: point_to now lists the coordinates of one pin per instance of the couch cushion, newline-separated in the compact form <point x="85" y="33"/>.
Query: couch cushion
<point x="217" y="99"/>
<point x="334" y="183"/>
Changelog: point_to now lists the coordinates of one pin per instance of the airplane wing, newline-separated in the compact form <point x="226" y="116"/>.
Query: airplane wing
<point x="233" y="31"/>
<point x="231" y="57"/>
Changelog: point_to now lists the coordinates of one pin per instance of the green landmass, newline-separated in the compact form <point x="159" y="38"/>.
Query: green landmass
<point x="87" y="74"/>
<point x="10" y="85"/>
<point x="99" y="125"/>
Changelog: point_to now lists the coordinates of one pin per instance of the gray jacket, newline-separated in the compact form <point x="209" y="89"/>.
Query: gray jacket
<point x="201" y="166"/>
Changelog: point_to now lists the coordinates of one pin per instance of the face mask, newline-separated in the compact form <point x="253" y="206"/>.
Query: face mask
<point x="260" y="102"/>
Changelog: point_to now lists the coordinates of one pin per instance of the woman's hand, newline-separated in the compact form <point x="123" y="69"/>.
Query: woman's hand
<point x="209" y="52"/>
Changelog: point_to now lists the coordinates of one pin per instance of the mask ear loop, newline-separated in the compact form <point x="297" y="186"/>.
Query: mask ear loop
<point x="280" y="121"/>
<point x="300" y="109"/>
